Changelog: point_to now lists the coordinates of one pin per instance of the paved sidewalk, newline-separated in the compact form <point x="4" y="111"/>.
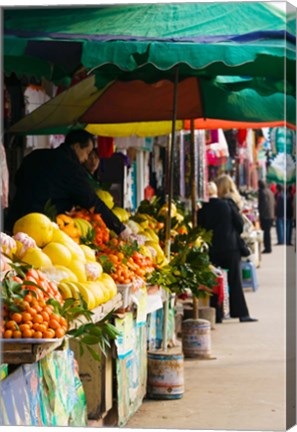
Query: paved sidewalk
<point x="244" y="388"/>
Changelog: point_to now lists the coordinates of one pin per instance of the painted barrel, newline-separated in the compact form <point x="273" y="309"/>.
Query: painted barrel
<point x="165" y="375"/>
<point x="196" y="338"/>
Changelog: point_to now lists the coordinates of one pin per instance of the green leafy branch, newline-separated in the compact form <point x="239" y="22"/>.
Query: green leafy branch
<point x="86" y="334"/>
<point x="107" y="265"/>
<point x="150" y="207"/>
<point x="188" y="269"/>
<point x="195" y="236"/>
<point x="14" y="292"/>
<point x="90" y="334"/>
<point x="50" y="210"/>
<point x="129" y="248"/>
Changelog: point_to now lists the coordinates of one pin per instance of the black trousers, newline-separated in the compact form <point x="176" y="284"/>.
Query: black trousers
<point x="266" y="225"/>
<point x="231" y="261"/>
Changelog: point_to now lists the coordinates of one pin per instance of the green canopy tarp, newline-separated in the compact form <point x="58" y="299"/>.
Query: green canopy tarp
<point x="137" y="101"/>
<point x="214" y="38"/>
<point x="234" y="52"/>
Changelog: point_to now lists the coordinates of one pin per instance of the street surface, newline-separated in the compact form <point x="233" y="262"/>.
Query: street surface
<point x="244" y="387"/>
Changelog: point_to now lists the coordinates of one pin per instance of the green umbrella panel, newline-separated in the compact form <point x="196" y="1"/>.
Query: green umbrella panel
<point x="118" y="101"/>
<point x="232" y="38"/>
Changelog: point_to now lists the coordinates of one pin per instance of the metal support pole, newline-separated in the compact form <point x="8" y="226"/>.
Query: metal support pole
<point x="193" y="175"/>
<point x="193" y="198"/>
<point x="170" y="193"/>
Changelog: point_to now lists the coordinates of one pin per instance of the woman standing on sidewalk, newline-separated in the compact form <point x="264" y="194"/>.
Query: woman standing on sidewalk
<point x="221" y="215"/>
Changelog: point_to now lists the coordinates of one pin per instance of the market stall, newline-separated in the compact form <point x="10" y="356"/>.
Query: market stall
<point x="57" y="288"/>
<point x="108" y="88"/>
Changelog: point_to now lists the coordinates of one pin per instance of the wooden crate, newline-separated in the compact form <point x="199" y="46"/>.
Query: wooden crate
<point x="101" y="311"/>
<point x="25" y="352"/>
<point x="18" y="352"/>
<point x="96" y="377"/>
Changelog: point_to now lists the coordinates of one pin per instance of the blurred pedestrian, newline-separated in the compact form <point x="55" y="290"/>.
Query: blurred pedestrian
<point x="221" y="215"/>
<point x="266" y="207"/>
<point x="280" y="214"/>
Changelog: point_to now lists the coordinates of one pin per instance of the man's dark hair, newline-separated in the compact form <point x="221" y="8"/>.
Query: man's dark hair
<point x="79" y="136"/>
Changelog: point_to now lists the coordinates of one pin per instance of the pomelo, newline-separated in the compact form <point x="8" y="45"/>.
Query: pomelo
<point x="109" y="284"/>
<point x="36" y="225"/>
<point x="59" y="273"/>
<point x="36" y="258"/>
<point x="97" y="290"/>
<point x="78" y="268"/>
<point x="58" y="253"/>
<point x="61" y="237"/>
<point x="88" y="252"/>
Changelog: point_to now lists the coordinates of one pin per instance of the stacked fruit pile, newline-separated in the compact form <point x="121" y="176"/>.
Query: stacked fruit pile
<point x="147" y="227"/>
<point x="119" y="259"/>
<point x="91" y="226"/>
<point x="40" y="243"/>
<point x="26" y="308"/>
<point x="82" y="256"/>
<point x="124" y="262"/>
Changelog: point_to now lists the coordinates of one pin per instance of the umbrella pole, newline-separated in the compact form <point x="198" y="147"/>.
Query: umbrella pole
<point x="193" y="198"/>
<point x="193" y="176"/>
<point x="170" y="193"/>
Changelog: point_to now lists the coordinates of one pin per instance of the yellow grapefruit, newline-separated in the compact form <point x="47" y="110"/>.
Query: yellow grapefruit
<point x="58" y="273"/>
<point x="36" y="225"/>
<point x="88" y="252"/>
<point x="58" y="253"/>
<point x="106" y="197"/>
<point x="97" y="290"/>
<point x="109" y="284"/>
<point x="61" y="237"/>
<point x="87" y="295"/>
<point x="36" y="258"/>
<point x="78" y="268"/>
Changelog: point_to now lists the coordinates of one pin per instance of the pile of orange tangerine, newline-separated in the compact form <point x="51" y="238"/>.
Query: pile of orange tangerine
<point x="30" y="316"/>
<point x="125" y="268"/>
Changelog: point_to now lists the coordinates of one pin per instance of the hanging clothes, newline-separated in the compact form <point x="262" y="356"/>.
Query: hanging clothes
<point x="35" y="96"/>
<point x="242" y="136"/>
<point x="105" y="146"/>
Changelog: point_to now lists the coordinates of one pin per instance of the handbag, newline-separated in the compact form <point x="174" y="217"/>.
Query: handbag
<point x="243" y="247"/>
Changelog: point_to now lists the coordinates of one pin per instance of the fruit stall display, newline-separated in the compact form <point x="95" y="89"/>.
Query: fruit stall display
<point x="82" y="262"/>
<point x="80" y="256"/>
<point x="56" y="274"/>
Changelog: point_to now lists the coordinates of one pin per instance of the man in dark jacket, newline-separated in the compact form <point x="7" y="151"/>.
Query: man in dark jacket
<point x="266" y="206"/>
<point x="59" y="176"/>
